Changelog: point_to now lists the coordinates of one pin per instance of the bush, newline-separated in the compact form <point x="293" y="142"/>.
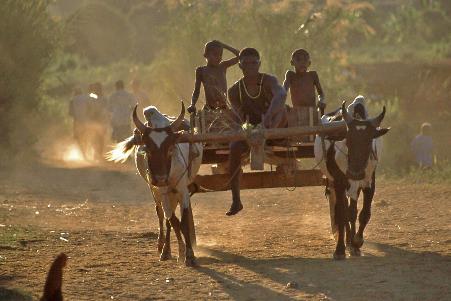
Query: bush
<point x="27" y="42"/>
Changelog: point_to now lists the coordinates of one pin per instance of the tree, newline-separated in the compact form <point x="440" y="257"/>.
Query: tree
<point x="28" y="37"/>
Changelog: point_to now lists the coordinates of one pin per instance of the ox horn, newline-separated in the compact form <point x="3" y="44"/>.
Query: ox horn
<point x="178" y="122"/>
<point x="139" y="125"/>
<point x="378" y="120"/>
<point x="346" y="117"/>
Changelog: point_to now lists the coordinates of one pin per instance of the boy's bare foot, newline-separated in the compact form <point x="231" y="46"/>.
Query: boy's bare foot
<point x="235" y="208"/>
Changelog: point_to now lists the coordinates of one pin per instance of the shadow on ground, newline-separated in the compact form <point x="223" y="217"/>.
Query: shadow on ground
<point x="393" y="273"/>
<point x="7" y="294"/>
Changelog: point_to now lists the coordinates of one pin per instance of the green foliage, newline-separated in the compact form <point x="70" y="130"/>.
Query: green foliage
<point x="27" y="41"/>
<point x="412" y="31"/>
<point x="441" y="173"/>
<point x="173" y="35"/>
<point x="100" y="33"/>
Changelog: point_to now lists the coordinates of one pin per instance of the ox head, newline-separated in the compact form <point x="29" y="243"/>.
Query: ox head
<point x="359" y="140"/>
<point x="159" y="146"/>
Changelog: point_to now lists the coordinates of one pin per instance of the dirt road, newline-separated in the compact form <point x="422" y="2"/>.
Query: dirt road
<point x="104" y="220"/>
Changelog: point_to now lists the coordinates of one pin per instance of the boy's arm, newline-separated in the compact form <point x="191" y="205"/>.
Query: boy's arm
<point x="277" y="101"/>
<point x="236" y="104"/>
<point x="321" y="96"/>
<point x="286" y="81"/>
<point x="196" y="92"/>
<point x="236" y="52"/>
<point x="232" y="61"/>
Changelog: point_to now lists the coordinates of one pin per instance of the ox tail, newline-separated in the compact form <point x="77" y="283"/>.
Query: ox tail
<point x="122" y="150"/>
<point x="331" y="196"/>
<point x="192" y="230"/>
<point x="54" y="282"/>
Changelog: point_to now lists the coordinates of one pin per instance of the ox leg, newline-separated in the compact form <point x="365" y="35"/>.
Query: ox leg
<point x="175" y="223"/>
<point x="190" y="259"/>
<point x="340" y="220"/>
<point x="160" y="215"/>
<point x="347" y="225"/>
<point x="365" y="214"/>
<point x="166" y="253"/>
<point x="352" y="219"/>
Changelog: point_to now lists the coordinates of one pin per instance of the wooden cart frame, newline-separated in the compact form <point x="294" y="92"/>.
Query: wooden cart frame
<point x="216" y="151"/>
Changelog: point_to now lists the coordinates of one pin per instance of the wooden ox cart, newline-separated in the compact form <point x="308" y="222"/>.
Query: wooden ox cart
<point x="282" y="149"/>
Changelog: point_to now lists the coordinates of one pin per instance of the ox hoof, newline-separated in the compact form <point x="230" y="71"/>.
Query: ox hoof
<point x="165" y="256"/>
<point x="235" y="208"/>
<point x="190" y="261"/>
<point x="355" y="252"/>
<point x="357" y="241"/>
<point x="339" y="256"/>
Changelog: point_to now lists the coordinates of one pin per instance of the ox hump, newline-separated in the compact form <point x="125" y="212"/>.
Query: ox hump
<point x="155" y="117"/>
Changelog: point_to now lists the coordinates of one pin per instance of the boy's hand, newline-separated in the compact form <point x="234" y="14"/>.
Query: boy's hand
<point x="191" y="109"/>
<point x="321" y="102"/>
<point x="267" y="121"/>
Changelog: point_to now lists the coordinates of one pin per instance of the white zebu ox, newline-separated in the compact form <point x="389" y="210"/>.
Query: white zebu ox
<point x="350" y="166"/>
<point x="163" y="164"/>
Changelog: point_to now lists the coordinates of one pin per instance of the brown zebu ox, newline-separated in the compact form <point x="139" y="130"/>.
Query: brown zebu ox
<point x="350" y="166"/>
<point x="163" y="164"/>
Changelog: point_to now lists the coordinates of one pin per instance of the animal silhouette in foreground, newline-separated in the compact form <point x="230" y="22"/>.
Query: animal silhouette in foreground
<point x="54" y="282"/>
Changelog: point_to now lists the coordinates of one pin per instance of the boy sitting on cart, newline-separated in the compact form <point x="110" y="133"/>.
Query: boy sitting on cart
<point x="302" y="84"/>
<point x="253" y="96"/>
<point x="213" y="77"/>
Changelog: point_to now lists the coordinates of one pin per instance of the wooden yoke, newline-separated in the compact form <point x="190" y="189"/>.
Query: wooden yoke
<point x="257" y="137"/>
<point x="276" y="133"/>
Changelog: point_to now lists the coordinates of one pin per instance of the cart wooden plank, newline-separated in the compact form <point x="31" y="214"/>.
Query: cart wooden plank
<point x="211" y="156"/>
<point x="265" y="179"/>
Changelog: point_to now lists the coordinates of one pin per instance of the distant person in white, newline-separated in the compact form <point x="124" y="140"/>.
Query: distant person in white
<point x="121" y="104"/>
<point x="78" y="110"/>
<point x="141" y="96"/>
<point x="423" y="147"/>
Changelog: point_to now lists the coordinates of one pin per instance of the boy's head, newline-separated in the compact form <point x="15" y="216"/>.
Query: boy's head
<point x="78" y="91"/>
<point x="119" y="85"/>
<point x="249" y="60"/>
<point x="213" y="52"/>
<point x="426" y="129"/>
<point x="300" y="59"/>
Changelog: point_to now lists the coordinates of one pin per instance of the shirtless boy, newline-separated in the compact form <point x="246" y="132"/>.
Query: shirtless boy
<point x="213" y="76"/>
<point x="303" y="84"/>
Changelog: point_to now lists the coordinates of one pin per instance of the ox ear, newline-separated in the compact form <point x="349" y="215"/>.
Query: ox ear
<point x="378" y="120"/>
<point x="381" y="132"/>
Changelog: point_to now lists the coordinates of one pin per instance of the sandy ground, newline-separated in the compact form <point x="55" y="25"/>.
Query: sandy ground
<point x="104" y="220"/>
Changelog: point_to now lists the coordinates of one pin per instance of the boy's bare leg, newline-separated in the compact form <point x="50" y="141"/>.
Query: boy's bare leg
<point x="236" y="150"/>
